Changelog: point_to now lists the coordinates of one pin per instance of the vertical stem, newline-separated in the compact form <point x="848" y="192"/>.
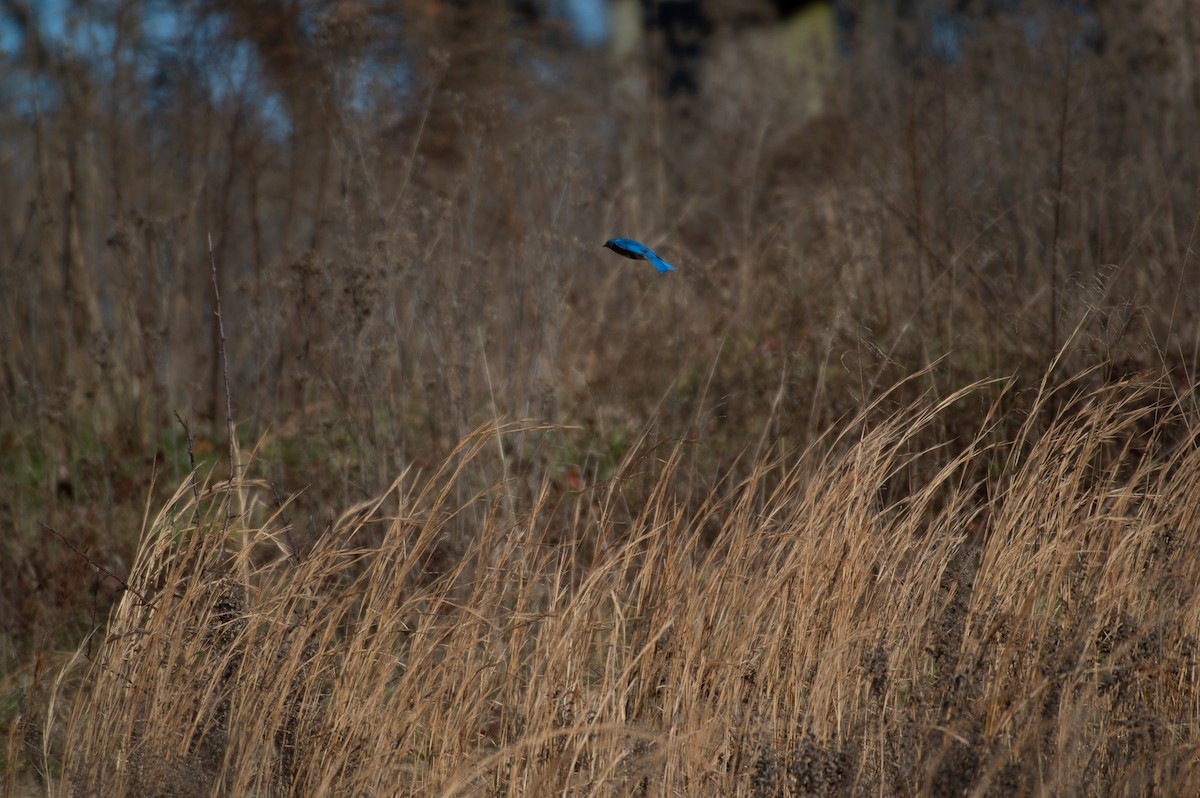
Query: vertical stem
<point x="225" y="372"/>
<point x="1058" y="204"/>
<point x="914" y="163"/>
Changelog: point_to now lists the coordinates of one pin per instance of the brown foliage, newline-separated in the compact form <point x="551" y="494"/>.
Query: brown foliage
<point x="759" y="540"/>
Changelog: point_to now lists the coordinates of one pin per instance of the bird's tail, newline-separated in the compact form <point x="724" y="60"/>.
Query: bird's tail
<point x="661" y="265"/>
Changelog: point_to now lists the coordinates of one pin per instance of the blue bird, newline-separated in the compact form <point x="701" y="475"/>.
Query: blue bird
<point x="638" y="251"/>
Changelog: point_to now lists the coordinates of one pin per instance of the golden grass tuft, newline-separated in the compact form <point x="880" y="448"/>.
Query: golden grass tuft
<point x="1022" y="619"/>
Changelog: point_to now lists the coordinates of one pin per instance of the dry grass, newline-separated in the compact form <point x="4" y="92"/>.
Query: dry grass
<point x="756" y="538"/>
<point x="799" y="633"/>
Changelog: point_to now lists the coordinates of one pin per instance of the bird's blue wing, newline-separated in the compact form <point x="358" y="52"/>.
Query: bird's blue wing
<point x="635" y="249"/>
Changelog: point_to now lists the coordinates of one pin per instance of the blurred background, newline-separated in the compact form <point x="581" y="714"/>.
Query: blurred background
<point x="406" y="201"/>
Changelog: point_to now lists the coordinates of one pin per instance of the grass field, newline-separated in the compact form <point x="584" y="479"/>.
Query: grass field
<point x="892" y="489"/>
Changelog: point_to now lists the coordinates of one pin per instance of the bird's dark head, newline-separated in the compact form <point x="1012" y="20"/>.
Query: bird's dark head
<point x="609" y="244"/>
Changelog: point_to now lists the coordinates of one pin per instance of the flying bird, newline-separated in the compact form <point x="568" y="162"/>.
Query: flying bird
<point x="638" y="251"/>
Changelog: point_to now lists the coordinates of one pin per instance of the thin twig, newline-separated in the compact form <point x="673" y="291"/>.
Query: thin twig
<point x="225" y="372"/>
<point x="124" y="585"/>
<point x="191" y="456"/>
<point x="1058" y="203"/>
